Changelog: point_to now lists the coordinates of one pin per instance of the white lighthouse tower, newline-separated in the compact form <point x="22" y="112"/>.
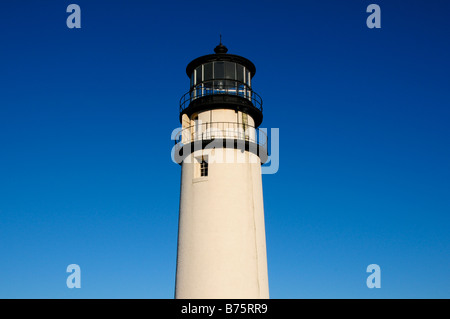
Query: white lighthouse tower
<point x="221" y="235"/>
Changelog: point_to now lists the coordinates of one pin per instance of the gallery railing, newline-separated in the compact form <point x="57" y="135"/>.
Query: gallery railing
<point x="221" y="87"/>
<point x="221" y="130"/>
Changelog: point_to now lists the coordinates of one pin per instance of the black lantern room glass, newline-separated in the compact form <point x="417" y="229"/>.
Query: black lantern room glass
<point x="221" y="77"/>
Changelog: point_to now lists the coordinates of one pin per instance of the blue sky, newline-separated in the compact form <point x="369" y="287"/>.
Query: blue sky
<point x="85" y="122"/>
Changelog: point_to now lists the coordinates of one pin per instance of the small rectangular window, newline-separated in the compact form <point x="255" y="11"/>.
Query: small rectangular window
<point x="203" y="167"/>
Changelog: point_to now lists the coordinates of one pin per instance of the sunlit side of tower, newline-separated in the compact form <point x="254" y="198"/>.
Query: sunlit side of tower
<point x="221" y="235"/>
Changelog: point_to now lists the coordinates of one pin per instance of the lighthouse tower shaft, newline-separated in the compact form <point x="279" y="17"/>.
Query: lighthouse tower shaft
<point x="221" y="236"/>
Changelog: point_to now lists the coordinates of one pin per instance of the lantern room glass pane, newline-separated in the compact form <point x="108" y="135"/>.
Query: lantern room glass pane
<point x="208" y="71"/>
<point x="219" y="70"/>
<point x="230" y="70"/>
<point x="219" y="84"/>
<point x="229" y="85"/>
<point x="209" y="87"/>
<point x="240" y="72"/>
<point x="198" y="74"/>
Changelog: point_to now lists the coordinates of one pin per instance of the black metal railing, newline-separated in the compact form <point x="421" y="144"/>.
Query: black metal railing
<point x="221" y="130"/>
<point x="221" y="87"/>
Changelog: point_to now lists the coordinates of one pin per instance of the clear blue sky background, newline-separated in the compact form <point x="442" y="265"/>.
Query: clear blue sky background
<point x="85" y="122"/>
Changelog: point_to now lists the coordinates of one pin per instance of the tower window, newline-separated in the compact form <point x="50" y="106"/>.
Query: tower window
<point x="203" y="167"/>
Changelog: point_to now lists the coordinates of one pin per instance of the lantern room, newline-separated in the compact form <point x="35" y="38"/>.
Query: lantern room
<point x="221" y="80"/>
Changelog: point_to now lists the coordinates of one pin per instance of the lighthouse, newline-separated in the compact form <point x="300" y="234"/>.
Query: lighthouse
<point x="221" y="234"/>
